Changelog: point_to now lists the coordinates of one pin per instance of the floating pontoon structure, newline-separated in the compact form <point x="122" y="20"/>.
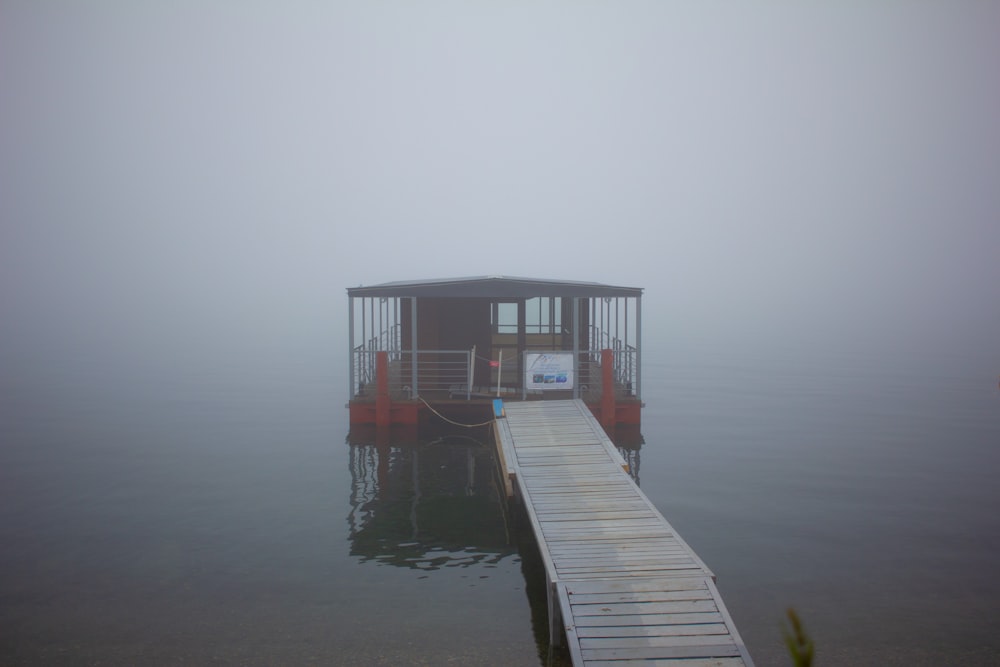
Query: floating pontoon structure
<point x="453" y="345"/>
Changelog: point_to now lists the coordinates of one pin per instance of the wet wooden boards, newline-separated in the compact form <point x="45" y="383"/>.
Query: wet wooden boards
<point x="623" y="586"/>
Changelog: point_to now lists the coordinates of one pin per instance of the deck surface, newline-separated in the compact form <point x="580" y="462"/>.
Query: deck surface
<point x="627" y="588"/>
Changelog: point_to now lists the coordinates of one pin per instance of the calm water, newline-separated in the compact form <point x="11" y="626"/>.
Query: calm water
<point x="220" y="516"/>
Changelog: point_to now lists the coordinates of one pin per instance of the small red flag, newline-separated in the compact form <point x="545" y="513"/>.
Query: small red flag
<point x="494" y="363"/>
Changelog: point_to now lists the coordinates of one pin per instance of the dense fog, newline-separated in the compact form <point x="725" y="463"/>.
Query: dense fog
<point x="184" y="186"/>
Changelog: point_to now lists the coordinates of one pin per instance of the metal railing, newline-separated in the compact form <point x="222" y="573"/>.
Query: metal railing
<point x="413" y="374"/>
<point x="388" y="339"/>
<point x="363" y="357"/>
<point x="626" y="369"/>
<point x="362" y="369"/>
<point x="449" y="372"/>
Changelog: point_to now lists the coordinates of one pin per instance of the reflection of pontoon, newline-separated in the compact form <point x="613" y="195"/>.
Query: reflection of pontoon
<point x="426" y="506"/>
<point x="453" y="344"/>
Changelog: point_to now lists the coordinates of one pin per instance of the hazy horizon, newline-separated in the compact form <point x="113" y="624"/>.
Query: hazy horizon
<point x="181" y="184"/>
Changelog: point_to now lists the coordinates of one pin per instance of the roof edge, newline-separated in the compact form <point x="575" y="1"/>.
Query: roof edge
<point x="493" y="286"/>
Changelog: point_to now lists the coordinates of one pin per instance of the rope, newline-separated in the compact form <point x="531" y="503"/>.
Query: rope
<point x="450" y="421"/>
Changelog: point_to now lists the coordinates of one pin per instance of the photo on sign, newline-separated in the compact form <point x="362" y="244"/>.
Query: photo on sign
<point x="548" y="371"/>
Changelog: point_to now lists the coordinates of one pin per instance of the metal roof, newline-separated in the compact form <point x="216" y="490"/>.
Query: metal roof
<point x="497" y="287"/>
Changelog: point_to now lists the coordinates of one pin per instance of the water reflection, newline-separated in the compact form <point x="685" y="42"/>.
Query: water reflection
<point x="437" y="501"/>
<point x="628" y="440"/>
<point x="427" y="504"/>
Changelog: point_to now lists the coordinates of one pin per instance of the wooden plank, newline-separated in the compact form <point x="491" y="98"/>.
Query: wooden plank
<point x="638" y="596"/>
<point x="561" y="465"/>
<point x="597" y="532"/>
<point x="569" y="549"/>
<point x="670" y="641"/>
<point x="583" y="501"/>
<point x="558" y="529"/>
<point x="563" y="451"/>
<point x="547" y="477"/>
<point x="568" y="565"/>
<point x="625" y="570"/>
<point x="633" y="573"/>
<point x="629" y="589"/>
<point x="643" y="558"/>
<point x="644" y="608"/>
<point x="569" y="557"/>
<point x="578" y="471"/>
<point x="690" y="662"/>
<point x="661" y="652"/>
<point x="647" y="522"/>
<point x="583" y="588"/>
<point x="637" y="555"/>
<point x="560" y="518"/>
<point x="545" y="505"/>
<point x="595" y="535"/>
<point x="628" y="572"/>
<point x="660" y="570"/>
<point x="659" y="545"/>
<point x="606" y="526"/>
<point x="651" y="620"/>
<point x="686" y="629"/>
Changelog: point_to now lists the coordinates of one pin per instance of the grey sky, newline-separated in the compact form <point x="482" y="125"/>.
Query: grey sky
<point x="176" y="171"/>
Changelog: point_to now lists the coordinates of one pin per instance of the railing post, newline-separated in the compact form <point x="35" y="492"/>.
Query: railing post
<point x="576" y="347"/>
<point x="638" y="348"/>
<point x="413" y="347"/>
<point x="472" y="373"/>
<point x="607" y="387"/>
<point x="350" y="348"/>
<point x="382" y="400"/>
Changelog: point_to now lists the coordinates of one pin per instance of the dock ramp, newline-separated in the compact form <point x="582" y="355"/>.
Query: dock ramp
<point x="624" y="588"/>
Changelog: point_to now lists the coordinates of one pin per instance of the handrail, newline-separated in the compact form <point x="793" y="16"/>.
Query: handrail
<point x="451" y="371"/>
<point x="436" y="371"/>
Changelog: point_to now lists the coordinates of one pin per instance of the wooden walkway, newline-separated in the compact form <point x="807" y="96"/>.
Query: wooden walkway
<point x="625" y="588"/>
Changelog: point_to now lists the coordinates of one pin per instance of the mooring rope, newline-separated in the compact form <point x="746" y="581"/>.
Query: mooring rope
<point x="449" y="420"/>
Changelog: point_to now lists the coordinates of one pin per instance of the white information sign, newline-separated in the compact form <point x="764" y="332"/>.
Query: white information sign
<point x="548" y="370"/>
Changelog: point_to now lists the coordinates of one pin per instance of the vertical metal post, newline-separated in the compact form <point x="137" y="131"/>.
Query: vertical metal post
<point x="626" y="323"/>
<point x="552" y="321"/>
<point x="365" y="363"/>
<point x="472" y="373"/>
<point x="524" y="385"/>
<point x="576" y="347"/>
<point x="638" y="347"/>
<point x="628" y="359"/>
<point x="382" y="401"/>
<point x="522" y="340"/>
<point x="600" y="327"/>
<point x="590" y="317"/>
<point x="606" y="322"/>
<point x="350" y="347"/>
<point x="610" y="338"/>
<point x="607" y="387"/>
<point x="594" y="325"/>
<point x="413" y="347"/>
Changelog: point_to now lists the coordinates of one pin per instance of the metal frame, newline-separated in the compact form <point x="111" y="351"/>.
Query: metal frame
<point x="612" y="322"/>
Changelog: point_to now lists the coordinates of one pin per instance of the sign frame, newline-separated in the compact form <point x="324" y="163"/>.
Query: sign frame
<point x="549" y="371"/>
